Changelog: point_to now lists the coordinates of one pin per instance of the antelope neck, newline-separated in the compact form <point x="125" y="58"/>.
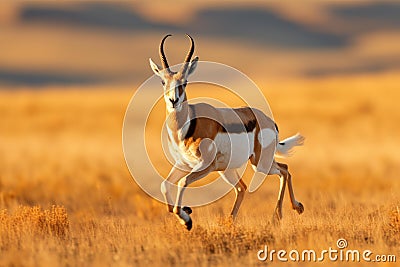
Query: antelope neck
<point x="177" y="119"/>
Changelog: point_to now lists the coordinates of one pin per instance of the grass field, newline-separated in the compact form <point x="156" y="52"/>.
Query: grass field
<point x="330" y="70"/>
<point x="67" y="198"/>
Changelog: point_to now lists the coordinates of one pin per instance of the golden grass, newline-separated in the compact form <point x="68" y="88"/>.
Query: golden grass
<point x="35" y="221"/>
<point x="67" y="198"/>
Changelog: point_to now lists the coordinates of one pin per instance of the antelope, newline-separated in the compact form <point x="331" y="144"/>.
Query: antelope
<point x="204" y="139"/>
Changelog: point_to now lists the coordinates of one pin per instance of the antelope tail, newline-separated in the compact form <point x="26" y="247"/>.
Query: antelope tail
<point x="284" y="147"/>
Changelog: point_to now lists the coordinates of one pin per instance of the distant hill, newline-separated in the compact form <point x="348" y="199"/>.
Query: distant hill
<point x="247" y="27"/>
<point x="258" y="25"/>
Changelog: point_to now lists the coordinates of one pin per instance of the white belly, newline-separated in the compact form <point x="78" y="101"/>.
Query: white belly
<point x="235" y="147"/>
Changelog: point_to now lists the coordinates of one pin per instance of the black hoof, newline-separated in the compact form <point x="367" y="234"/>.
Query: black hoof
<point x="188" y="210"/>
<point x="189" y="225"/>
<point x="300" y="208"/>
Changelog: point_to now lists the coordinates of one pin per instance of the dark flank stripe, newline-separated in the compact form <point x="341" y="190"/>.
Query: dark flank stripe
<point x="238" y="127"/>
<point x="192" y="125"/>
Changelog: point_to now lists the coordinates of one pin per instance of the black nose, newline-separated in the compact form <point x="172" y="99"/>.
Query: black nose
<point x="173" y="101"/>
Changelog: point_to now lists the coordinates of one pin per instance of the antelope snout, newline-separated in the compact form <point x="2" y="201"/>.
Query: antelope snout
<point x="174" y="101"/>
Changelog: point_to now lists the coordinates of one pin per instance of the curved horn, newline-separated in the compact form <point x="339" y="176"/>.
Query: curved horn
<point x="191" y="51"/>
<point x="189" y="55"/>
<point x="162" y="54"/>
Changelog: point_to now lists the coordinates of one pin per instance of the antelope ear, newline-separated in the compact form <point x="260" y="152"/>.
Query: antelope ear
<point x="193" y="65"/>
<point x="156" y="69"/>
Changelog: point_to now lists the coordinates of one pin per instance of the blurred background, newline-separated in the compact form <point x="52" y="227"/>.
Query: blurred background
<point x="330" y="70"/>
<point x="93" y="42"/>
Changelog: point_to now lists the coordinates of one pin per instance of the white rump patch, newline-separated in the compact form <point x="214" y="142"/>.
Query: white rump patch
<point x="266" y="137"/>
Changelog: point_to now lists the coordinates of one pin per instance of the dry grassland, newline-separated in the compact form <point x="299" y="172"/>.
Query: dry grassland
<point x="67" y="198"/>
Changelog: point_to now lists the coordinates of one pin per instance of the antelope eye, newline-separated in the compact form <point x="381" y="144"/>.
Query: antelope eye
<point x="163" y="83"/>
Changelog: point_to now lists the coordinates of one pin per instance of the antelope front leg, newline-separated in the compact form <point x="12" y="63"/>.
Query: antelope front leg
<point x="198" y="172"/>
<point x="174" y="175"/>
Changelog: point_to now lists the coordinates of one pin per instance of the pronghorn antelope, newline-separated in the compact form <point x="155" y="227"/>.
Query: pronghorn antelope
<point x="204" y="139"/>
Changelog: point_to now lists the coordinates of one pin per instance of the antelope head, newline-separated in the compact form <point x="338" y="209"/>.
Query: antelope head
<point x="174" y="83"/>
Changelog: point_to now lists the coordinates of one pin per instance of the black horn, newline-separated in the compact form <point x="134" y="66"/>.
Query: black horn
<point x="191" y="51"/>
<point x="162" y="54"/>
<point x="189" y="55"/>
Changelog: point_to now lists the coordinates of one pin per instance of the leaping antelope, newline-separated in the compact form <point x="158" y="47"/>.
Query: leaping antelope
<point x="204" y="139"/>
